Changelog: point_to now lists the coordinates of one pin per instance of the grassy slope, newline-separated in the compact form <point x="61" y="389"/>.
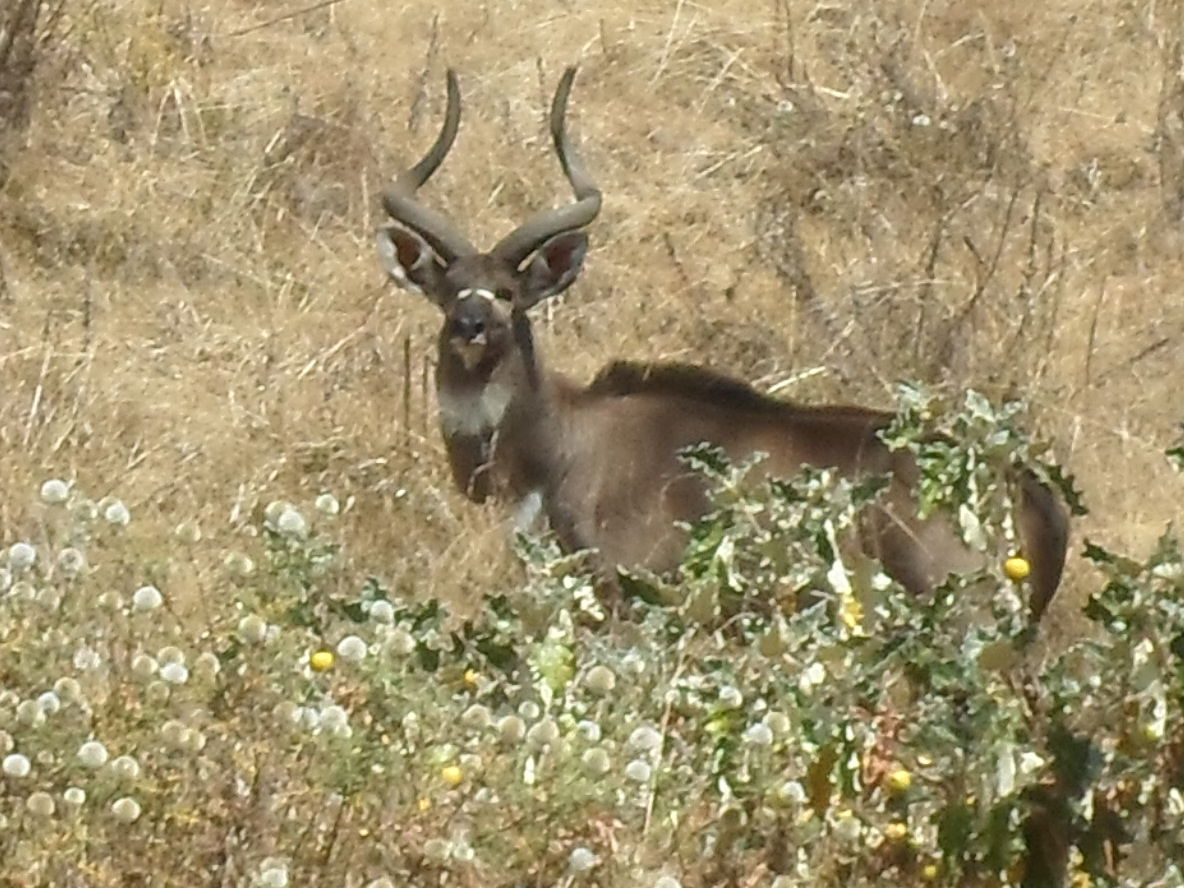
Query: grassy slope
<point x="965" y="193"/>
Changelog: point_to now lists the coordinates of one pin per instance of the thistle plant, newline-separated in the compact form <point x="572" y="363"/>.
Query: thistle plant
<point x="780" y="712"/>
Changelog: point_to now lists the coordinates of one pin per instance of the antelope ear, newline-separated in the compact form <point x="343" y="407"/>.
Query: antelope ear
<point x="555" y="266"/>
<point x="411" y="262"/>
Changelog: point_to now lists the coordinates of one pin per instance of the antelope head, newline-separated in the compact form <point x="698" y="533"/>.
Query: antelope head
<point x="484" y="296"/>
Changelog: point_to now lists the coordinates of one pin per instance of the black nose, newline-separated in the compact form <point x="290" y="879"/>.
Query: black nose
<point x="467" y="327"/>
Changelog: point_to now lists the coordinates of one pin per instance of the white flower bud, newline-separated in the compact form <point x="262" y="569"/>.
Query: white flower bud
<point x="600" y="680"/>
<point x="21" y="556"/>
<point x="40" y="804"/>
<point x="54" y="492"/>
<point x="126" y="810"/>
<point x="638" y="771"/>
<point x="351" y="649"/>
<point x="116" y="513"/>
<point x="92" y="754"/>
<point x="581" y="860"/>
<point x="16" y="765"/>
<point x="146" y="598"/>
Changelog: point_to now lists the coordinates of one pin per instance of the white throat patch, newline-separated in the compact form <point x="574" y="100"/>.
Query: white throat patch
<point x="476" y="413"/>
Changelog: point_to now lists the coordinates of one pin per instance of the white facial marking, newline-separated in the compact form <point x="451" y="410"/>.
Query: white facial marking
<point x="476" y="291"/>
<point x="473" y="414"/>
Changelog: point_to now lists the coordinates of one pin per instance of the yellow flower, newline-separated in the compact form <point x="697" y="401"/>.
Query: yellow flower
<point x="472" y="676"/>
<point x="929" y="872"/>
<point x="898" y="780"/>
<point x="424" y="804"/>
<point x="452" y="775"/>
<point x="1017" y="568"/>
<point x="895" y="831"/>
<point x="851" y="612"/>
<point x="321" y="661"/>
<point x="1081" y="880"/>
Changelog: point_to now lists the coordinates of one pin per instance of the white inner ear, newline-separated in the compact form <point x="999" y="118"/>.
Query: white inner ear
<point x="390" y="261"/>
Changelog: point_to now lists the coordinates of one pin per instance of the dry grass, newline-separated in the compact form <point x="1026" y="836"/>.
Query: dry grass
<point x="970" y="194"/>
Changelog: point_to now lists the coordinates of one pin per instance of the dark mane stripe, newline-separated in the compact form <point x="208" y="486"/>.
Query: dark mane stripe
<point x="623" y="378"/>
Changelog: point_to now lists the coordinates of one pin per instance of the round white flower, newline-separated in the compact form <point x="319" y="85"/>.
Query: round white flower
<point x="21" y="556"/>
<point x="116" y="513"/>
<point x="29" y="713"/>
<point x="334" y="716"/>
<point x="16" y="765"/>
<point x="759" y="734"/>
<point x="275" y="876"/>
<point x="589" y="730"/>
<point x="811" y="677"/>
<point x="92" y="754"/>
<point x="511" y="729"/>
<point x="351" y="649"/>
<point x="50" y="703"/>
<point x="208" y="664"/>
<point x="173" y="733"/>
<point x="382" y="611"/>
<point x="437" y="849"/>
<point x="847" y="827"/>
<point x="327" y="504"/>
<point x="126" y="767"/>
<point x="401" y="642"/>
<point x="238" y="564"/>
<point x="144" y="666"/>
<point x="645" y="738"/>
<point x="291" y="523"/>
<point x="68" y="689"/>
<point x="86" y="659"/>
<point x="477" y="716"/>
<point x="529" y="710"/>
<point x="778" y="722"/>
<point x="543" y="733"/>
<point x="792" y="791"/>
<point x="638" y="771"/>
<point x="188" y="532"/>
<point x="310" y="719"/>
<point x="40" y="804"/>
<point x="146" y="598"/>
<point x="384" y="882"/>
<point x="252" y="628"/>
<point x="730" y="697"/>
<point x="126" y="809"/>
<point x="75" y="796"/>
<point x="596" y="762"/>
<point x="170" y="653"/>
<point x="71" y="561"/>
<point x="174" y="673"/>
<point x="84" y="510"/>
<point x="600" y="680"/>
<point x="667" y="882"/>
<point x="54" y="491"/>
<point x="581" y="860"/>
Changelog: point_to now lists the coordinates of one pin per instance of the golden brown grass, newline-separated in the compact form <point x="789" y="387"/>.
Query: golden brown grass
<point x="971" y="194"/>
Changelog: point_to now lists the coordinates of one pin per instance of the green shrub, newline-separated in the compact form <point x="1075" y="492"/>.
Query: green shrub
<point x="285" y="717"/>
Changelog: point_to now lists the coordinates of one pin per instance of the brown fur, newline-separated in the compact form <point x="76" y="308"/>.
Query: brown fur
<point x="604" y="458"/>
